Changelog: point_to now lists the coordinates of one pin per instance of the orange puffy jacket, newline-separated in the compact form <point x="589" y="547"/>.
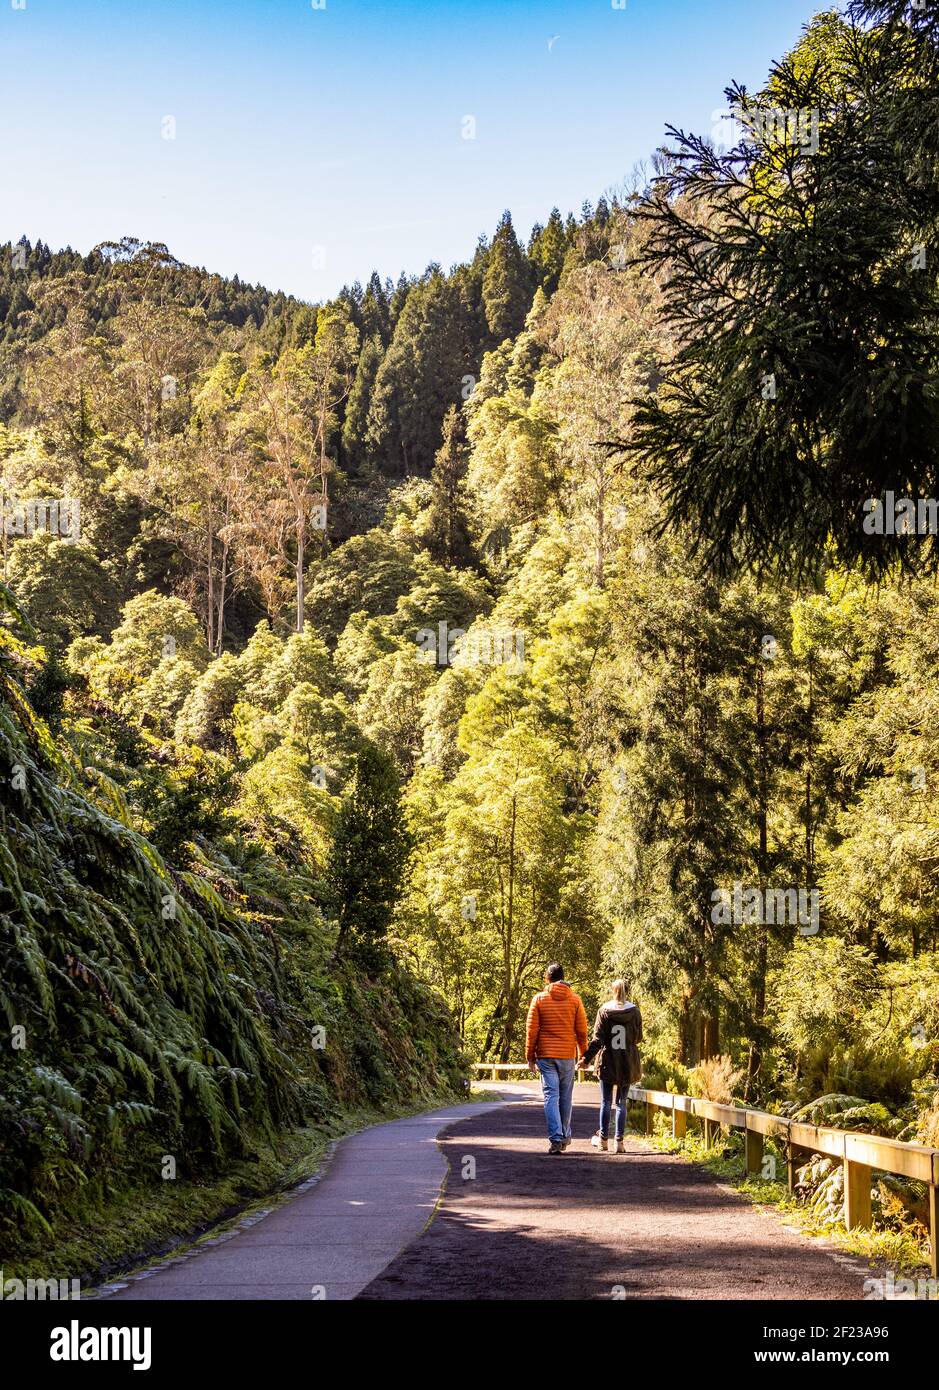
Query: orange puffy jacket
<point x="557" y="1023"/>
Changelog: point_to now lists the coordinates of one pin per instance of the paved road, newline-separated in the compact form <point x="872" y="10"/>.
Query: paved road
<point x="334" y="1235"/>
<point x="512" y="1223"/>
<point x="641" y="1225"/>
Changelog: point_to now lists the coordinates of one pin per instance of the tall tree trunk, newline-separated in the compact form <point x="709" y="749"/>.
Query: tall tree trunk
<point x="688" y="1053"/>
<point x="223" y="585"/>
<point x="301" y="578"/>
<point x="210" y="603"/>
<point x="755" y="1058"/>
<point x="599" y="562"/>
<point x="494" y="1020"/>
<point x="509" y="988"/>
<point x="508" y="1029"/>
<point x="710" y="1037"/>
<point x="809" y="751"/>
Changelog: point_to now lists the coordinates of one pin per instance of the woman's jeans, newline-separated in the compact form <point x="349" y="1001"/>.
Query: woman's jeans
<point x="606" y="1102"/>
<point x="557" y="1080"/>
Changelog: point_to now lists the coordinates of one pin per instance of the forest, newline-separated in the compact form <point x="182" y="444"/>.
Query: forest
<point x="358" y="659"/>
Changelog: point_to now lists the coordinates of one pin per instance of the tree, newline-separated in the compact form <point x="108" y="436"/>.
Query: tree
<point x="155" y="656"/>
<point x="499" y="878"/>
<point x="355" y="424"/>
<point x="195" y="488"/>
<point x="206" y="715"/>
<point x="447" y="530"/>
<point x="296" y="400"/>
<point x="514" y="468"/>
<point x="221" y="478"/>
<point x="366" y="574"/>
<point x="507" y="285"/>
<point x="601" y="330"/>
<point x="63" y="587"/>
<point x="368" y="860"/>
<point x="66" y="369"/>
<point x="806" y="315"/>
<point x="546" y="252"/>
<point x="432" y="353"/>
<point x="375" y="311"/>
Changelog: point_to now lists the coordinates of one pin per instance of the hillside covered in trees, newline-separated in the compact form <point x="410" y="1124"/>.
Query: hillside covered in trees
<point x="516" y="612"/>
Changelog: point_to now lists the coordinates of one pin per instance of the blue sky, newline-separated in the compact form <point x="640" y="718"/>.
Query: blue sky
<point x="314" y="145"/>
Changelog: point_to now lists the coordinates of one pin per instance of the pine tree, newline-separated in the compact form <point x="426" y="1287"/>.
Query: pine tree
<point x="355" y="425"/>
<point x="397" y="297"/>
<point x="432" y="352"/>
<point x="507" y="286"/>
<point x="449" y="539"/>
<point x="800" y="290"/>
<point x="546" y="252"/>
<point x="368" y="860"/>
<point x="375" y="312"/>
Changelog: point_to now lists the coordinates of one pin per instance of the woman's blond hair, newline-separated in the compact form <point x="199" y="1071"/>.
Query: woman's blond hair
<point x="619" y="991"/>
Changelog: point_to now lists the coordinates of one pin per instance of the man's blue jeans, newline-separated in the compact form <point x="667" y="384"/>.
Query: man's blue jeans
<point x="557" y="1079"/>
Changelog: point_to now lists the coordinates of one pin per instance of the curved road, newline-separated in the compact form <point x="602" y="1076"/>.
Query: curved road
<point x="592" y="1225"/>
<point x="509" y="1223"/>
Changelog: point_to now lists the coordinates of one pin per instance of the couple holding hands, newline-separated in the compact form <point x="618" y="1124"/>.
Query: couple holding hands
<point x="556" y="1036"/>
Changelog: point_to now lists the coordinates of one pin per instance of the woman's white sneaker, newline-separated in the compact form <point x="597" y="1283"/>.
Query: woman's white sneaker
<point x="599" y="1142"/>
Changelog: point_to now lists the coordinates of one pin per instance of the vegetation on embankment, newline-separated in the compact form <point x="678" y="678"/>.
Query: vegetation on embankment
<point x="140" y="1223"/>
<point x="173" y="1021"/>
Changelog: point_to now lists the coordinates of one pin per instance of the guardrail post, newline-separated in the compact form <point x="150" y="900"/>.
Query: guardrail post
<point x="857" y="1194"/>
<point x="796" y="1155"/>
<point x="792" y="1162"/>
<point x="754" y="1151"/>
<point x="932" y="1192"/>
<point x="650" y="1117"/>
<point x="710" y="1128"/>
<point x="679" y="1122"/>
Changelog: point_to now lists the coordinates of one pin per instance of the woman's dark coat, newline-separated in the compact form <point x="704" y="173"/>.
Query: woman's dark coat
<point x="617" y="1033"/>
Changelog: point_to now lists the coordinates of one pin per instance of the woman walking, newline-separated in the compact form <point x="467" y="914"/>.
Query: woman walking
<point x="617" y="1034"/>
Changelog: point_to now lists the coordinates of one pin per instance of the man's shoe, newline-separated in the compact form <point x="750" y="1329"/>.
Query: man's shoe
<point x="566" y="1143"/>
<point x="599" y="1142"/>
<point x="621" y="1146"/>
<point x="554" y="1148"/>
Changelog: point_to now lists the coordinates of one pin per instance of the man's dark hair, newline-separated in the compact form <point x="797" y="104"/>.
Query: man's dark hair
<point x="555" y="972"/>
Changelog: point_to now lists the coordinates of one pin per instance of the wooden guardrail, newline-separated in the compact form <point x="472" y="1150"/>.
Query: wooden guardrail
<point x="861" y="1154"/>
<point x="494" y="1067"/>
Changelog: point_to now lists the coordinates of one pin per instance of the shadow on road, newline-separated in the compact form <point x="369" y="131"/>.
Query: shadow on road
<point x="519" y="1225"/>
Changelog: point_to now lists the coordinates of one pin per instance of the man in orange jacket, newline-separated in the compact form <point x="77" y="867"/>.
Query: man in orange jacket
<point x="555" y="1037"/>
